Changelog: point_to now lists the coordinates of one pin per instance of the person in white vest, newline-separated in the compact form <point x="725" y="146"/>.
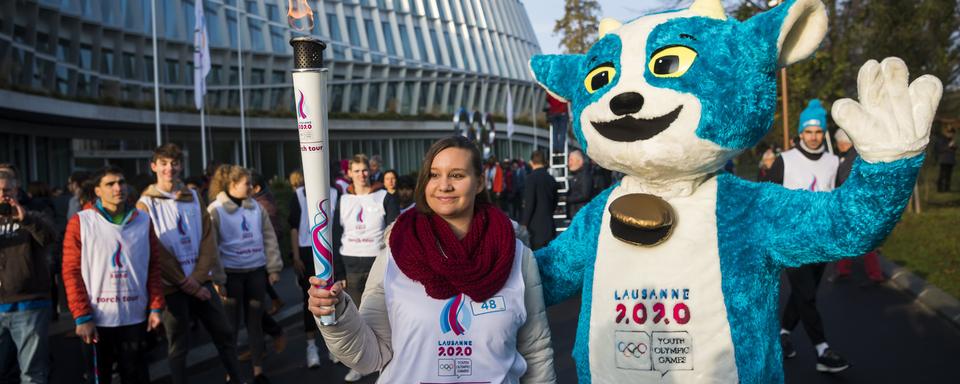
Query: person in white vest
<point x="111" y="273"/>
<point x="454" y="297"/>
<point x="249" y="254"/>
<point x="365" y="211"/>
<point x="301" y="243"/>
<point x="189" y="263"/>
<point x="808" y="166"/>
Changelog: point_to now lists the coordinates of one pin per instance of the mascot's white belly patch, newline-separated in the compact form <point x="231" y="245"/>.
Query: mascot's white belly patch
<point x="658" y="312"/>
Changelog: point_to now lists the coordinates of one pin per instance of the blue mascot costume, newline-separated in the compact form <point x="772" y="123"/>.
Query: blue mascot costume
<point x="679" y="264"/>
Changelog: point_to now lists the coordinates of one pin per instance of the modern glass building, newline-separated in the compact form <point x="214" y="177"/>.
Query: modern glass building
<point x="77" y="79"/>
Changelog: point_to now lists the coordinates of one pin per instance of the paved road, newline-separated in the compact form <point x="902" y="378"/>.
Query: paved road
<point x="885" y="335"/>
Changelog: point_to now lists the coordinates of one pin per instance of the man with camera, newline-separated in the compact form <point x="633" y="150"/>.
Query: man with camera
<point x="24" y="283"/>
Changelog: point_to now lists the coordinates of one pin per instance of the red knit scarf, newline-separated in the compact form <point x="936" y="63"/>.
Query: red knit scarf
<point x="427" y="251"/>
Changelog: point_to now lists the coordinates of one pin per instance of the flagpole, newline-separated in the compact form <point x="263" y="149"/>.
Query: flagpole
<point x="533" y="112"/>
<point x="203" y="132"/>
<point x="156" y="73"/>
<point x="243" y="128"/>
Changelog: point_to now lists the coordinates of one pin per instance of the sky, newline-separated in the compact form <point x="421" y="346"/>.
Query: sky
<point x="544" y="14"/>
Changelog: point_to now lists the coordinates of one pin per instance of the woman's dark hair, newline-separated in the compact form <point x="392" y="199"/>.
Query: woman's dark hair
<point x="393" y="171"/>
<point x="476" y="162"/>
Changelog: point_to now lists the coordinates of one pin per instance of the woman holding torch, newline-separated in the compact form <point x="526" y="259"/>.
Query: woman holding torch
<point x="454" y="258"/>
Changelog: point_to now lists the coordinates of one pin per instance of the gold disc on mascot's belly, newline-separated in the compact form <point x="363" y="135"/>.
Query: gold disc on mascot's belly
<point x="641" y="219"/>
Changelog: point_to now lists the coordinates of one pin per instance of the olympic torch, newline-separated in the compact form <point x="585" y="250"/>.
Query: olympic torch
<point x="310" y="96"/>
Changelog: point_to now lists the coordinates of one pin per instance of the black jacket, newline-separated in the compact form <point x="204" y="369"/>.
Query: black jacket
<point x="580" y="183"/>
<point x="24" y="273"/>
<point x="539" y="202"/>
<point x="846" y="165"/>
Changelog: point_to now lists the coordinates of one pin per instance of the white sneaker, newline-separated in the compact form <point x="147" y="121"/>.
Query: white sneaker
<point x="313" y="358"/>
<point x="334" y="358"/>
<point x="352" y="376"/>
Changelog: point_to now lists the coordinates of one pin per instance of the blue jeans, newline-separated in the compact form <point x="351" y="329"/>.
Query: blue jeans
<point x="559" y="123"/>
<point x="27" y="331"/>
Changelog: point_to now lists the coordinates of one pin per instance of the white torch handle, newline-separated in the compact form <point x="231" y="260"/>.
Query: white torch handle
<point x="310" y="95"/>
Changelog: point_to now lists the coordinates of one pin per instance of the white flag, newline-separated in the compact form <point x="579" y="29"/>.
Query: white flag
<point x="509" y="114"/>
<point x="201" y="55"/>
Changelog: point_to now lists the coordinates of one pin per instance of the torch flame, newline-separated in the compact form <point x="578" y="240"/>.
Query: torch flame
<point x="299" y="15"/>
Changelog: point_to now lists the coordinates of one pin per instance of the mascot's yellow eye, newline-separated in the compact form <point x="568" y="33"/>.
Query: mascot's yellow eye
<point x="672" y="61"/>
<point x="599" y="77"/>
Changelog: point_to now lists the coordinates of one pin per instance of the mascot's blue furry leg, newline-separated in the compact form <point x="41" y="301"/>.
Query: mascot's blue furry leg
<point x="566" y="267"/>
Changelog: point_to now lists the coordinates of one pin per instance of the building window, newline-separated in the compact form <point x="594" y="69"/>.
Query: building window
<point x="420" y="43"/>
<point x="450" y="51"/>
<point x="129" y="66"/>
<point x="214" y="33"/>
<point x="232" y="29"/>
<point x="252" y="7"/>
<point x="106" y="61"/>
<point x="256" y="35"/>
<point x="335" y="36"/>
<point x="170" y="20"/>
<point x="273" y="13"/>
<point x="371" y="34"/>
<point x="436" y="47"/>
<point x="391" y="104"/>
<point x="405" y="40"/>
<point x="173" y="71"/>
<point x="353" y="31"/>
<point x="86" y="57"/>
<point x="388" y="38"/>
<point x="336" y="97"/>
<point x="373" y="98"/>
<point x="277" y="39"/>
<point x="147" y="13"/>
<point x="63" y="50"/>
<point x="148" y="67"/>
<point x="189" y="18"/>
<point x="356" y="96"/>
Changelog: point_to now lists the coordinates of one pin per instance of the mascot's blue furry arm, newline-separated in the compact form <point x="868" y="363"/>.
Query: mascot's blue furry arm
<point x="690" y="295"/>
<point x="794" y="227"/>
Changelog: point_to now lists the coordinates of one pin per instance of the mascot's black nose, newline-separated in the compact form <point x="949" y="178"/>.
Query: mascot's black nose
<point x="626" y="103"/>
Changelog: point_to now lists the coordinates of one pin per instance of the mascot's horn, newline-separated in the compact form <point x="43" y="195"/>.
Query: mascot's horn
<point x="708" y="8"/>
<point x="607" y="25"/>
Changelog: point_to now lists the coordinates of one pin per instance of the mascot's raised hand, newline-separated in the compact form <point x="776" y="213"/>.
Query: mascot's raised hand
<point x="891" y="121"/>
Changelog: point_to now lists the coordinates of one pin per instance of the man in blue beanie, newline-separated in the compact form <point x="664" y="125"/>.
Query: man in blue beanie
<point x="811" y="167"/>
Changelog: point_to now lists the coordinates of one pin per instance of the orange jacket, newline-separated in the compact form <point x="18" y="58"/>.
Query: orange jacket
<point x="77" y="297"/>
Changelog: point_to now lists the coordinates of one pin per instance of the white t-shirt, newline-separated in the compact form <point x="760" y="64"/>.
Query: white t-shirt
<point x="471" y="342"/>
<point x="363" y="219"/>
<point x="115" y="265"/>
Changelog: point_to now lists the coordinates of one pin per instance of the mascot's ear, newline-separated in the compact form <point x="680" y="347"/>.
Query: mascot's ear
<point x="556" y="74"/>
<point x="799" y="25"/>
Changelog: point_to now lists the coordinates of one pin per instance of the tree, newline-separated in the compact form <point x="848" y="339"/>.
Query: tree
<point x="923" y="33"/>
<point x="579" y="25"/>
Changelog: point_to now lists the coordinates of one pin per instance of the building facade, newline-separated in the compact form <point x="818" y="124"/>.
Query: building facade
<point x="77" y="79"/>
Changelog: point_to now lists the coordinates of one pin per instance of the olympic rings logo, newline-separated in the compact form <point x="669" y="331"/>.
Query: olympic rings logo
<point x="636" y="350"/>
<point x="446" y="367"/>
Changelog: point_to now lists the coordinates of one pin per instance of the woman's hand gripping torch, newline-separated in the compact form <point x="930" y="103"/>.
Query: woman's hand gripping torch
<point x="310" y="95"/>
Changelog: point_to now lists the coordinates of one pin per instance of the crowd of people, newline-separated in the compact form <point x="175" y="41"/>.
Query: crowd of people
<point x="157" y="258"/>
<point x="160" y="257"/>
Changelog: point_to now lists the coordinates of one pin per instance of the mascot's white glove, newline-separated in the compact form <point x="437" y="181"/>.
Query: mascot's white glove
<point x="891" y="121"/>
